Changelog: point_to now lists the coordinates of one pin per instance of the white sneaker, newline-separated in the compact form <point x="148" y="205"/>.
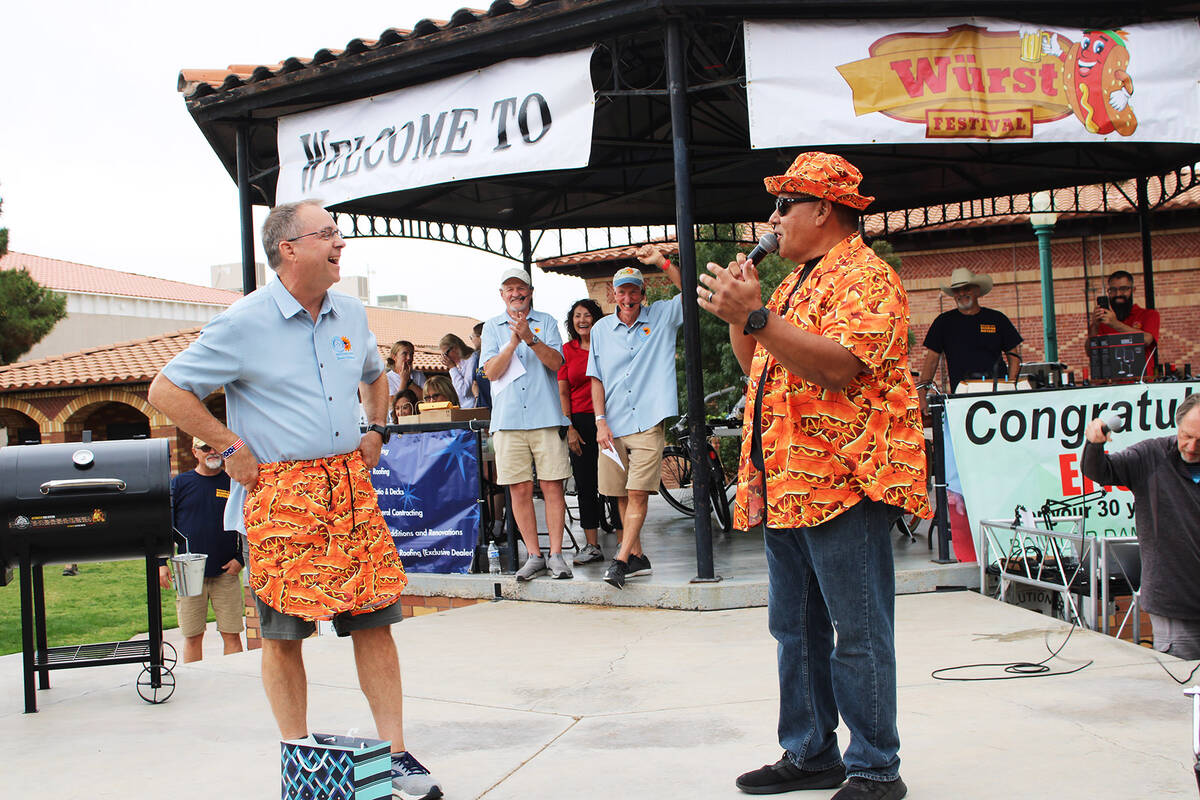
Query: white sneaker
<point x="533" y="566"/>
<point x="558" y="567"/>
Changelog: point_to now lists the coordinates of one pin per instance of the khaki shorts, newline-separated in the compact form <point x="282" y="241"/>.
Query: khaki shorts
<point x="518" y="451"/>
<point x="228" y="603"/>
<point x="641" y="454"/>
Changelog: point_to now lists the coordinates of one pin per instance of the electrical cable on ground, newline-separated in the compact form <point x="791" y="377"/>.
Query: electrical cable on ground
<point x="1017" y="669"/>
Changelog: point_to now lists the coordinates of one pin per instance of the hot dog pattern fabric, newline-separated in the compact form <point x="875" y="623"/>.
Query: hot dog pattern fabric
<point x="318" y="544"/>
<point x="824" y="451"/>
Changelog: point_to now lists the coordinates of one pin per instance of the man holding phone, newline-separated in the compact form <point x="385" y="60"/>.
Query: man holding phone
<point x="1116" y="312"/>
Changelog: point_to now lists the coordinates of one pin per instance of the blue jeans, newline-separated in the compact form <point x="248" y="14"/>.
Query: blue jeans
<point x="837" y="576"/>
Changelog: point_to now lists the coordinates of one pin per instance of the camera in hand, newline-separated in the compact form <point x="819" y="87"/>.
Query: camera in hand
<point x="1102" y="300"/>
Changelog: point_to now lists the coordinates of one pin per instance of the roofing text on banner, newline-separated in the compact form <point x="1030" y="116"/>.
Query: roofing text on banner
<point x="522" y="115"/>
<point x="897" y="81"/>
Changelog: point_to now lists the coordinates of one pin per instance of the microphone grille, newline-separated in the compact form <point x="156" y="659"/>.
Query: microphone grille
<point x="1114" y="421"/>
<point x="769" y="242"/>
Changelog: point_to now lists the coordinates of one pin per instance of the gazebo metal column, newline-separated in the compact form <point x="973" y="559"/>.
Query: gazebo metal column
<point x="685" y="237"/>
<point x="1143" y="210"/>
<point x="245" y="208"/>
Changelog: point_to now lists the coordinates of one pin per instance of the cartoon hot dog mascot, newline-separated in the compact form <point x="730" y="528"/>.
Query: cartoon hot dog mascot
<point x="1095" y="80"/>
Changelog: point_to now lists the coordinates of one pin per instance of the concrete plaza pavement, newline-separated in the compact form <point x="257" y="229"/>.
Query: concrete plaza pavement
<point x="541" y="700"/>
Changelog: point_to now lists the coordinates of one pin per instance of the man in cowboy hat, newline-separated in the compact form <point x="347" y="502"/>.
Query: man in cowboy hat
<point x="978" y="342"/>
<point x="831" y="453"/>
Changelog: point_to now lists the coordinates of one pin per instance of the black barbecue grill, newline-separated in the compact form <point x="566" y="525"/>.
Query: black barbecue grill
<point x="92" y="501"/>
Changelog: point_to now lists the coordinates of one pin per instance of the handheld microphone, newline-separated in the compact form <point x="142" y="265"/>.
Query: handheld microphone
<point x="768" y="243"/>
<point x="1111" y="422"/>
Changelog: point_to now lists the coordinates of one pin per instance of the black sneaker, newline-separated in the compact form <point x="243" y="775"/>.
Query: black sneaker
<point x="638" y="565"/>
<point x="784" y="776"/>
<point x="615" y="574"/>
<point x="864" y="789"/>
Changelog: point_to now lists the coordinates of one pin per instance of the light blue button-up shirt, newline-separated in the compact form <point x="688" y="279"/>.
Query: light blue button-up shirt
<point x="291" y="385"/>
<point x="636" y="364"/>
<point x="531" y="401"/>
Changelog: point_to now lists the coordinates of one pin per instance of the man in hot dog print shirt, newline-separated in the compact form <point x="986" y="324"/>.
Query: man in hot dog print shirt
<point x="293" y="359"/>
<point x="832" y="452"/>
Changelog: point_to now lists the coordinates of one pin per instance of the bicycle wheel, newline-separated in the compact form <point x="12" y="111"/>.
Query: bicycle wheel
<point x="718" y="494"/>
<point x="675" y="485"/>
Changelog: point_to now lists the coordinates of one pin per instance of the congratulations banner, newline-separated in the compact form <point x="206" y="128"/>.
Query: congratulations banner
<point x="523" y="115"/>
<point x="896" y="81"/>
<point x="428" y="488"/>
<point x="1025" y="448"/>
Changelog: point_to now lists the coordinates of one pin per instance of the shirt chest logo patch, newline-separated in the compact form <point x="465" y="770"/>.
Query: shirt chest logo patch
<point x="537" y="331"/>
<point x="987" y="327"/>
<point x="645" y="330"/>
<point x="342" y="348"/>
<point x="223" y="493"/>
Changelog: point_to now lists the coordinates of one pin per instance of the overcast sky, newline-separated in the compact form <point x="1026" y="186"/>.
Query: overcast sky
<point x="100" y="163"/>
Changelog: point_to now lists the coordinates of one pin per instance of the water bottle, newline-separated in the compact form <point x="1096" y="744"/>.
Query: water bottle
<point x="493" y="559"/>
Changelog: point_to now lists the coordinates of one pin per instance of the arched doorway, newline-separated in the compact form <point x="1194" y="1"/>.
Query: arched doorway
<point x="18" y="428"/>
<point x="107" y="421"/>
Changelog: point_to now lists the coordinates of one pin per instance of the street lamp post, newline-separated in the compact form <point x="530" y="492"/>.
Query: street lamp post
<point x="1043" y="220"/>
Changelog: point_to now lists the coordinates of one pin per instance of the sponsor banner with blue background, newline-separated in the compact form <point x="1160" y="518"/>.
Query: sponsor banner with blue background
<point x="428" y="488"/>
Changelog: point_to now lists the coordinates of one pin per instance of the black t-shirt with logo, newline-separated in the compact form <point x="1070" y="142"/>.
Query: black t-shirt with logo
<point x="974" y="344"/>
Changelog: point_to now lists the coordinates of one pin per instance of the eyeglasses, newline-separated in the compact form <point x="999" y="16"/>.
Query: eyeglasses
<point x="208" y="448"/>
<point x="435" y="396"/>
<point x="325" y="234"/>
<point x="783" y="204"/>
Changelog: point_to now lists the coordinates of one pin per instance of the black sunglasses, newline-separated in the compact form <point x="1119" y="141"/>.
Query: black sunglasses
<point x="783" y="204"/>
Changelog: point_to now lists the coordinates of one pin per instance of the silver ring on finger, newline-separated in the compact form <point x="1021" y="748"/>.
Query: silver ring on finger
<point x="711" y="295"/>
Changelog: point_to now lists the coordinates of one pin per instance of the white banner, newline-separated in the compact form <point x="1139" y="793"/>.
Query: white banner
<point x="937" y="80"/>
<point x="523" y="115"/>
<point x="1025" y="448"/>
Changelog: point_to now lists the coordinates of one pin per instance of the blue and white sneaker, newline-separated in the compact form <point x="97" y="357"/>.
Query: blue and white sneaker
<point x="411" y="781"/>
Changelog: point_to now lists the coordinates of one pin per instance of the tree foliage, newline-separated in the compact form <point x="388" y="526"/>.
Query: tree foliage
<point x="3" y="233"/>
<point x="27" y="313"/>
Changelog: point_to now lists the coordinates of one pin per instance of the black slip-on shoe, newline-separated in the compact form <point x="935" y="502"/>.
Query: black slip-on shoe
<point x="784" y="776"/>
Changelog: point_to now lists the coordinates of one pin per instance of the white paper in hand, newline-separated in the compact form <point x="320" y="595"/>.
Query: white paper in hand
<point x="611" y="452"/>
<point x="515" y="370"/>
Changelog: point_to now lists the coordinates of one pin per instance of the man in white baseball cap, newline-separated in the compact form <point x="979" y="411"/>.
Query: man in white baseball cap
<point x="527" y="417"/>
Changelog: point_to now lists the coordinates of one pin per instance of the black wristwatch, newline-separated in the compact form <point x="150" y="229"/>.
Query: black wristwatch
<point x="756" y="321"/>
<point x="383" y="432"/>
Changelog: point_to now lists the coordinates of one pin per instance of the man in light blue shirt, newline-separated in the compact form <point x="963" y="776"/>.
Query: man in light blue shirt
<point x="293" y="359"/>
<point x="632" y="366"/>
<point x="521" y="351"/>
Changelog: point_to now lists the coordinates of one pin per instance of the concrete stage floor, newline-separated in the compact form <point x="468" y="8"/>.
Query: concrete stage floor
<point x="669" y="540"/>
<point x="539" y="700"/>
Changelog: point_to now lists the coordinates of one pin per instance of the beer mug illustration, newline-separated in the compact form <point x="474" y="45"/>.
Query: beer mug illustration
<point x="1031" y="44"/>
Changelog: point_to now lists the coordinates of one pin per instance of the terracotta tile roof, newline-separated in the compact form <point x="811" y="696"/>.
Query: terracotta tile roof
<point x="667" y="246"/>
<point x="197" y="83"/>
<point x="138" y="361"/>
<point x="67" y="276"/>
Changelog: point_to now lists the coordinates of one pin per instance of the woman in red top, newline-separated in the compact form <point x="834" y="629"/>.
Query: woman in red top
<point x="575" y="392"/>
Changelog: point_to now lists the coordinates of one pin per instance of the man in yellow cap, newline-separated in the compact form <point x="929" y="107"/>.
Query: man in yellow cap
<point x="832" y="452"/>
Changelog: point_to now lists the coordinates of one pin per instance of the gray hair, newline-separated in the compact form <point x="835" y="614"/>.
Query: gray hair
<point x="1189" y="402"/>
<point x="281" y="225"/>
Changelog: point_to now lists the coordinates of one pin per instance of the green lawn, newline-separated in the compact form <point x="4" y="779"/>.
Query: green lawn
<point x="105" y="602"/>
